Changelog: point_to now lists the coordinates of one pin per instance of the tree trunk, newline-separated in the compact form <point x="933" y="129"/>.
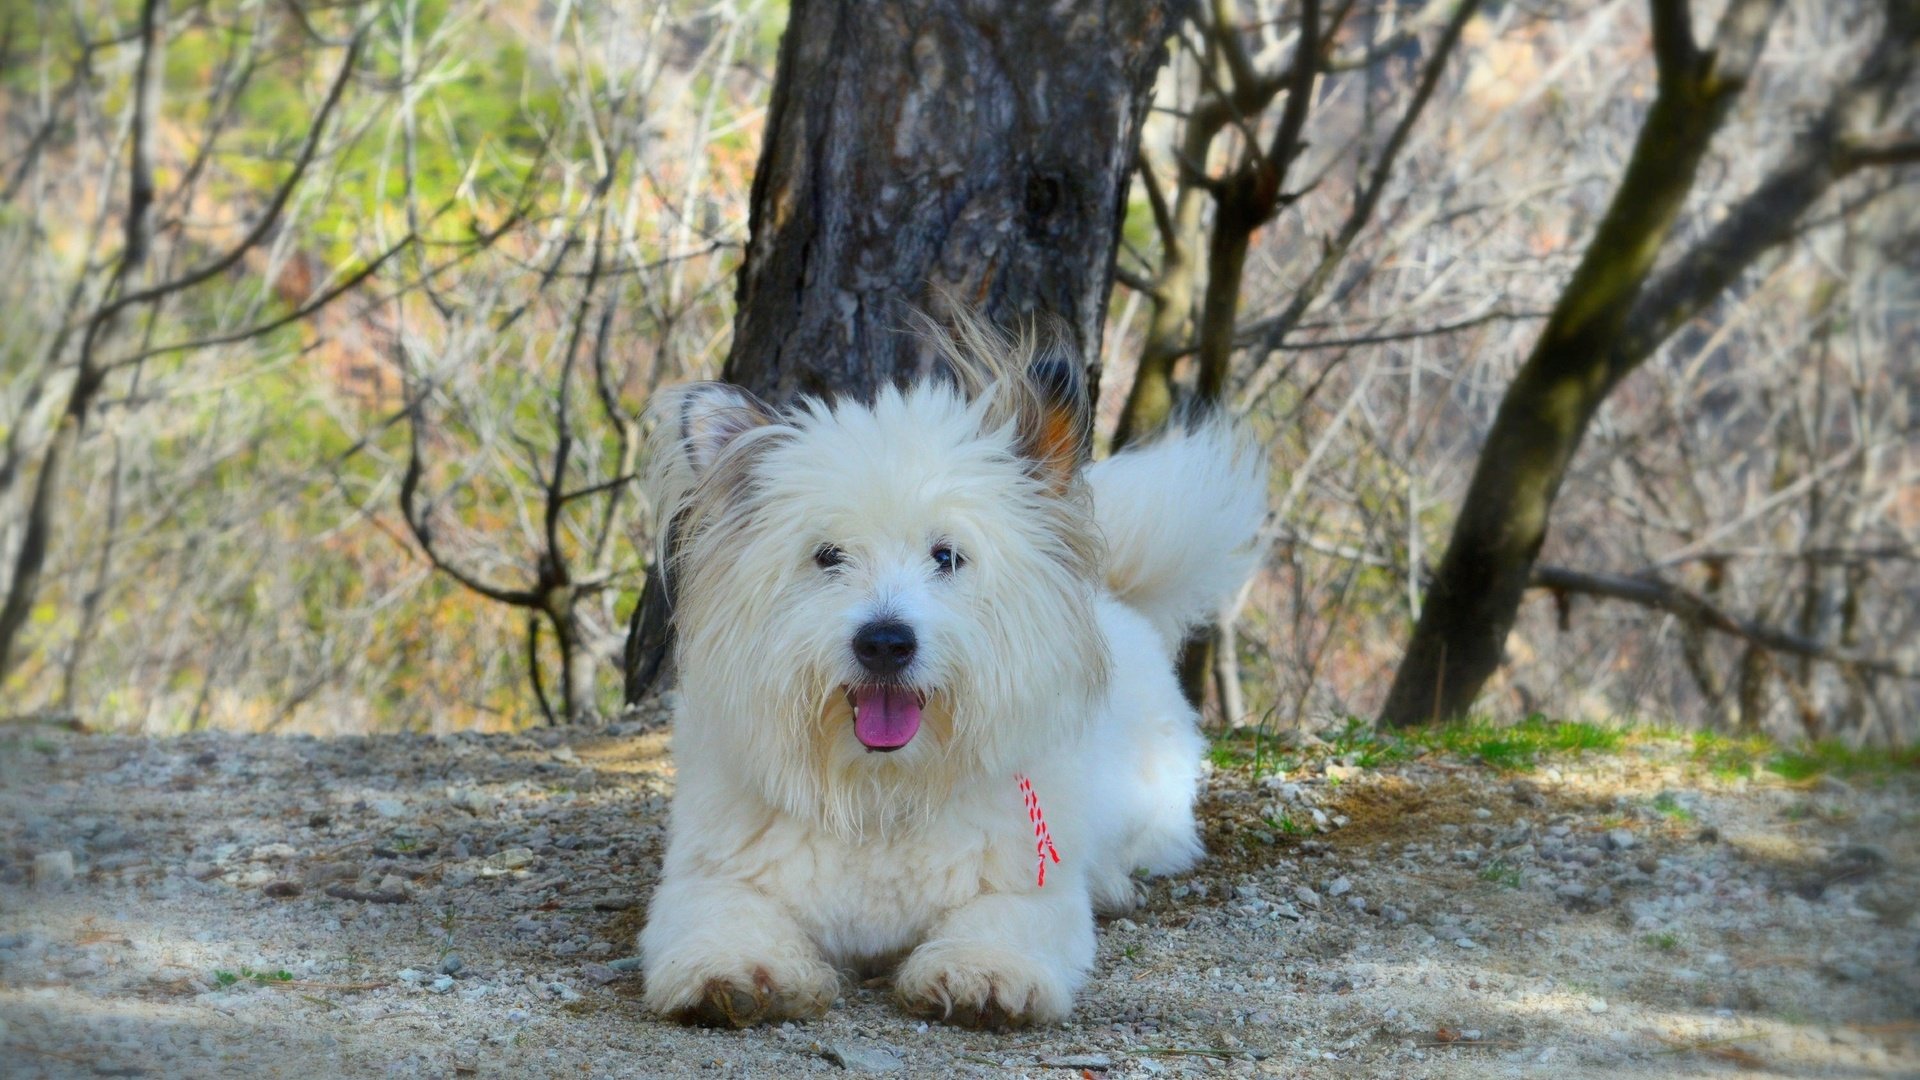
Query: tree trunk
<point x="1458" y="642"/>
<point x="915" y="148"/>
<point x="917" y="145"/>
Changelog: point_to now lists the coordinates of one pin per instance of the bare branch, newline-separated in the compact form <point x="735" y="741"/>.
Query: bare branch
<point x="1649" y="591"/>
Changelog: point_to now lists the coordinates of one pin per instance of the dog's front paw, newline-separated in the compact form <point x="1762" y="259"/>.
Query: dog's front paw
<point x="741" y="995"/>
<point x="982" y="987"/>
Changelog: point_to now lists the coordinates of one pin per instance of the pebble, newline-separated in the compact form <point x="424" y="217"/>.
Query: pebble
<point x="860" y="1059"/>
<point x="1465" y="943"/>
<point x="1125" y="926"/>
<point x="52" y="869"/>
<point x="441" y="984"/>
<point x="281" y="890"/>
<point x="473" y="800"/>
<point x="1619" y="839"/>
<point x="598" y="974"/>
<point x="1306" y="896"/>
<point x="451" y="964"/>
<point x="388" y="808"/>
<point x="505" y="862"/>
<point x="1339" y="886"/>
<point x="1597" y="1005"/>
<point x="625" y="963"/>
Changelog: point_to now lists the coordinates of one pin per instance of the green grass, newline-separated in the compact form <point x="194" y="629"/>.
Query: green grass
<point x="1501" y="872"/>
<point x="1285" y="824"/>
<point x="229" y="978"/>
<point x="1664" y="942"/>
<point x="1670" y="808"/>
<point x="1525" y="744"/>
<point x="1730" y="757"/>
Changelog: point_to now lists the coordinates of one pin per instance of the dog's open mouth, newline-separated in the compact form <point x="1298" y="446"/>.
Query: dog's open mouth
<point x="885" y="718"/>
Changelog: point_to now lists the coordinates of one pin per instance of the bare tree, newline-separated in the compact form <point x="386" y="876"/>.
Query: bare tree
<point x="1615" y="312"/>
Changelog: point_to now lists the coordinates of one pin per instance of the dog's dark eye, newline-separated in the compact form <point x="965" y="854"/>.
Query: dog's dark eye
<point x="947" y="560"/>
<point x="828" y="557"/>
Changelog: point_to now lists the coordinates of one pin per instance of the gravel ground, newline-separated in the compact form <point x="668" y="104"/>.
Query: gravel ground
<point x="467" y="905"/>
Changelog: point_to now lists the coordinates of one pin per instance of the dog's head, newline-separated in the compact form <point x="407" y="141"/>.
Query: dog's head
<point x="874" y="595"/>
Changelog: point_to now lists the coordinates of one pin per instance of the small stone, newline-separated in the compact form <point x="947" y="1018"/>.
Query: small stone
<point x="1125" y="926"/>
<point x="52" y="869"/>
<point x="598" y="974"/>
<point x="451" y="964"/>
<point x="388" y="808"/>
<point x="625" y="963"/>
<point x="505" y="862"/>
<point x="1246" y="892"/>
<point x="1100" y="1062"/>
<point x="860" y="1059"/>
<point x="1619" y="839"/>
<point x="1480" y="813"/>
<point x="600" y="948"/>
<point x="1288" y="911"/>
<point x="1597" y="1005"/>
<point x="563" y="991"/>
<point x="328" y="872"/>
<point x="1339" y="886"/>
<point x="473" y="800"/>
<point x="440" y="984"/>
<point x="273" y="853"/>
<point x="1357" y="903"/>
<point x="1306" y="896"/>
<point x="281" y="890"/>
<point x="1470" y="1034"/>
<point x="1179" y="892"/>
<point x="1465" y="943"/>
<point x="1393" y="914"/>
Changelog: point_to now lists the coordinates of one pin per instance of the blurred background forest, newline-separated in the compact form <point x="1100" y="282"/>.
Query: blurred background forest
<point x="329" y="328"/>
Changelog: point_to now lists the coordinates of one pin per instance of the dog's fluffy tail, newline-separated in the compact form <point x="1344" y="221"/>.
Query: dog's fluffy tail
<point x="1181" y="514"/>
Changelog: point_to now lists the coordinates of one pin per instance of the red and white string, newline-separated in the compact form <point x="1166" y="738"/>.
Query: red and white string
<point x="1043" y="848"/>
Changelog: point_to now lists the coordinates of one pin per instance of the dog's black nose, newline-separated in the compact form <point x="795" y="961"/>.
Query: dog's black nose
<point x="884" y="647"/>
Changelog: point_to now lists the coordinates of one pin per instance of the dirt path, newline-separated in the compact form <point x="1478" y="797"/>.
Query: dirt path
<point x="286" y="907"/>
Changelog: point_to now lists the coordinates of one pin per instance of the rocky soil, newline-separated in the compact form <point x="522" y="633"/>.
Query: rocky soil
<point x="451" y="906"/>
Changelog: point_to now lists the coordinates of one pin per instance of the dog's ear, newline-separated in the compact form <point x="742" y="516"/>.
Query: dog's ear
<point x="712" y="415"/>
<point x="1057" y="431"/>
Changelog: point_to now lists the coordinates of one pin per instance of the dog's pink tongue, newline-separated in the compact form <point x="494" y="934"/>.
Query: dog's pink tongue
<point x="885" y="718"/>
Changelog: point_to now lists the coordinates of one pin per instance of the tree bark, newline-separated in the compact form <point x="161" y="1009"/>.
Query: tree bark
<point x="978" y="148"/>
<point x="916" y="149"/>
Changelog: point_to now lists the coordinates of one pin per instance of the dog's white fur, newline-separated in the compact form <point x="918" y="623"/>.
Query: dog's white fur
<point x="793" y="852"/>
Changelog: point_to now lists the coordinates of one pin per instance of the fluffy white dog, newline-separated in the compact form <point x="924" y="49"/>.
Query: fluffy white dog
<point x="928" y="716"/>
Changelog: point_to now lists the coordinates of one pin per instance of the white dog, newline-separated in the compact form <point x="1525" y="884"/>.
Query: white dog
<point x="928" y="716"/>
